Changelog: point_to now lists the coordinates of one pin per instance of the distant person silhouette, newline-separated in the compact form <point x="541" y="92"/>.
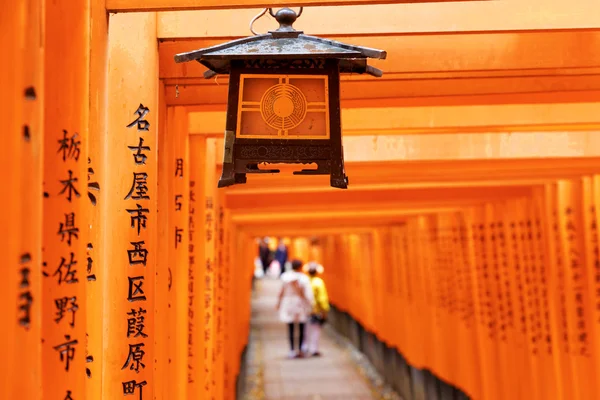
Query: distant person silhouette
<point x="264" y="253"/>
<point x="294" y="304"/>
<point x="281" y="255"/>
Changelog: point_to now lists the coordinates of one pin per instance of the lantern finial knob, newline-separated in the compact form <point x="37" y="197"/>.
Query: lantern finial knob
<point x="286" y="18"/>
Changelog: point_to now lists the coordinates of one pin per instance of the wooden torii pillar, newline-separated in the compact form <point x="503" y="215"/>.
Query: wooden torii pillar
<point x="21" y="105"/>
<point x="129" y="202"/>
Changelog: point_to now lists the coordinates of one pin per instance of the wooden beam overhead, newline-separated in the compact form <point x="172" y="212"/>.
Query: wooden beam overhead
<point x="374" y="199"/>
<point x="484" y="145"/>
<point x="394" y="174"/>
<point x="174" y="5"/>
<point x="483" y="52"/>
<point x="443" y="119"/>
<point x="569" y="85"/>
<point x="385" y="19"/>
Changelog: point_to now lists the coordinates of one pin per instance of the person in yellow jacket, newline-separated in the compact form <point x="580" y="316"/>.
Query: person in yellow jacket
<point x="320" y="308"/>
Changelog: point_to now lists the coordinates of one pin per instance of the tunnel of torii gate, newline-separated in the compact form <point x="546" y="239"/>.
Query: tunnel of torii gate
<point x="466" y="242"/>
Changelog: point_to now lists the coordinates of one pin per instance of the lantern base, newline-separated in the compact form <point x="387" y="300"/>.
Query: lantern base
<point x="340" y="183"/>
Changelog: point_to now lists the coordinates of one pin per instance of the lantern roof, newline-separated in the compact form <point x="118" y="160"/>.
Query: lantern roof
<point x="285" y="43"/>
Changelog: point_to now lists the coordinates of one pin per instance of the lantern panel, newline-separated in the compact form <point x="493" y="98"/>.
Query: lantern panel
<point x="283" y="107"/>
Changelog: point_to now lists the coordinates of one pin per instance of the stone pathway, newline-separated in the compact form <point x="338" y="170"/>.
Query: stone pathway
<point x="274" y="377"/>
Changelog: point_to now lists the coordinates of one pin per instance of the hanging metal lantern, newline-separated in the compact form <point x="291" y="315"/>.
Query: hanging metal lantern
<point x="284" y="99"/>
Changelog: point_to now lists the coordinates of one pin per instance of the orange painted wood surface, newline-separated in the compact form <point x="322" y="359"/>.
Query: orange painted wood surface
<point x="163" y="313"/>
<point x="209" y="291"/>
<point x="474" y="54"/>
<point x="197" y="266"/>
<point x="485" y="249"/>
<point x="131" y="184"/>
<point x="163" y="5"/>
<point x="21" y="244"/>
<point x="29" y="338"/>
<point x="435" y="17"/>
<point x="96" y="181"/>
<point x="65" y="204"/>
<point x="505" y="311"/>
<point x="178" y="238"/>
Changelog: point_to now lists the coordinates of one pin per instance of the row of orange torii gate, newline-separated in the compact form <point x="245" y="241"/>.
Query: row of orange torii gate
<point x="126" y="275"/>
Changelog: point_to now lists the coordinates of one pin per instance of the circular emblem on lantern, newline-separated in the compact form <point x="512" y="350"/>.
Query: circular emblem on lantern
<point x="283" y="106"/>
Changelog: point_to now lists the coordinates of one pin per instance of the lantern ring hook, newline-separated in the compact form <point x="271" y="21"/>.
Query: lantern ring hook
<point x="263" y="12"/>
<point x="297" y="15"/>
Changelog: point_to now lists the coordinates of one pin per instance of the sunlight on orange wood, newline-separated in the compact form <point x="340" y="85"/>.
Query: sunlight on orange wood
<point x="389" y="18"/>
<point x="130" y="207"/>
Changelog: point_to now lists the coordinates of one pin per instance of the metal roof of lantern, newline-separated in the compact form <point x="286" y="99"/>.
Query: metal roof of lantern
<point x="284" y="43"/>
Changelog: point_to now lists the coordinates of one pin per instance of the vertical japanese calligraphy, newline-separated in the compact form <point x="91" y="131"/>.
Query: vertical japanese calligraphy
<point x="129" y="192"/>
<point x="197" y="166"/>
<point x="207" y="319"/>
<point x="178" y="209"/>
<point x="65" y="201"/>
<point x="137" y="257"/>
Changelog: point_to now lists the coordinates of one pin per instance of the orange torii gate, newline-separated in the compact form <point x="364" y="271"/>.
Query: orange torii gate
<point x="128" y="271"/>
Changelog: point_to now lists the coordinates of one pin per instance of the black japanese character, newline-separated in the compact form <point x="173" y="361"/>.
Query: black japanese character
<point x="179" y="167"/>
<point x="25" y="308"/>
<point x="138" y="255"/>
<point x="67" y="351"/>
<point x="138" y="218"/>
<point x="68" y="184"/>
<point x="139" y="157"/>
<point x="64" y="305"/>
<point x="136" y="293"/>
<point x="69" y="273"/>
<point x="135" y="357"/>
<point x="68" y="395"/>
<point x="25" y="271"/>
<point x="130" y="386"/>
<point x="68" y="228"/>
<point x="135" y="324"/>
<point x="178" y="235"/>
<point x="142" y="124"/>
<point x="92" y="185"/>
<point x="178" y="203"/>
<point x="139" y="185"/>
<point x="69" y="146"/>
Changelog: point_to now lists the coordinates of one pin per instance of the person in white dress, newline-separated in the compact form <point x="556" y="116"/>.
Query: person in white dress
<point x="295" y="303"/>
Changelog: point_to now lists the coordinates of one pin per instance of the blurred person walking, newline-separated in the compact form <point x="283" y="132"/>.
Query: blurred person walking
<point x="294" y="304"/>
<point x="264" y="253"/>
<point x="320" y="309"/>
<point x="281" y="255"/>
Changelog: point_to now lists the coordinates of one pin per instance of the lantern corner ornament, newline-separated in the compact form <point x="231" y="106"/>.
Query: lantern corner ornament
<point x="284" y="99"/>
